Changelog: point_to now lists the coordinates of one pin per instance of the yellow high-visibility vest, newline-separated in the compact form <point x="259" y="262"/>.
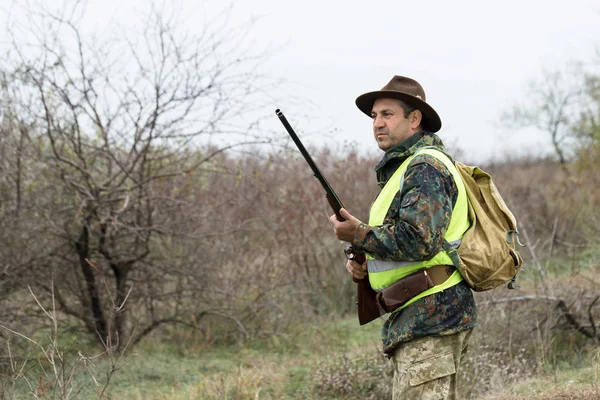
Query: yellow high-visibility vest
<point x="384" y="273"/>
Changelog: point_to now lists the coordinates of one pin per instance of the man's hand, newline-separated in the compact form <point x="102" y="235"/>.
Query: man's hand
<point x="358" y="271"/>
<point x="345" y="230"/>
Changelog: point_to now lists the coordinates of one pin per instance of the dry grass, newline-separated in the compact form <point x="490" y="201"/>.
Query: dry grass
<point x="556" y="394"/>
<point x="569" y="384"/>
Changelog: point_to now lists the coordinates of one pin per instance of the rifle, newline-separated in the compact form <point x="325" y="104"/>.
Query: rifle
<point x="368" y="304"/>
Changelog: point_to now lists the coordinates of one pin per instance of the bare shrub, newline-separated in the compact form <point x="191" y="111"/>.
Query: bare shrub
<point x="500" y="352"/>
<point x="525" y="335"/>
<point x="285" y="259"/>
<point x="366" y="376"/>
<point x="55" y="366"/>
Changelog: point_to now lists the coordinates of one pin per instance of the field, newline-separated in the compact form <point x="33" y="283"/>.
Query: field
<point x="331" y="359"/>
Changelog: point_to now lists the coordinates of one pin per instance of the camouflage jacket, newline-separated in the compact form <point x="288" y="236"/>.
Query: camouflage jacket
<point x="413" y="230"/>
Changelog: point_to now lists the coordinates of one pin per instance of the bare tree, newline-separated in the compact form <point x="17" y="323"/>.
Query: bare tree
<point x="551" y="104"/>
<point x="588" y="126"/>
<point x="120" y="127"/>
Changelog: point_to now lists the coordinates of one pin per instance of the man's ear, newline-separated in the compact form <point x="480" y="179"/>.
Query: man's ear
<point x="416" y="118"/>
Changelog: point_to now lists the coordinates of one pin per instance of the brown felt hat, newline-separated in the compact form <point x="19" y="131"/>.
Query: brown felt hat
<point x="409" y="91"/>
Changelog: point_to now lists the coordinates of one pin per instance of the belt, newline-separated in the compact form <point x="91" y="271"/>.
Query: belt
<point x="412" y="285"/>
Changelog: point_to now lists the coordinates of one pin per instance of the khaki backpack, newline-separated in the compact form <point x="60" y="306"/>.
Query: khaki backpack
<point x="487" y="256"/>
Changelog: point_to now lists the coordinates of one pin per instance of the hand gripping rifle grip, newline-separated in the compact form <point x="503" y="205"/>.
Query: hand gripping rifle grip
<point x="358" y="257"/>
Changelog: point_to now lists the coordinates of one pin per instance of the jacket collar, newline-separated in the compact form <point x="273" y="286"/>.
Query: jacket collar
<point x="394" y="156"/>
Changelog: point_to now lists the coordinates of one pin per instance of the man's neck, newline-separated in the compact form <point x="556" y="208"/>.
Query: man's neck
<point x="406" y="144"/>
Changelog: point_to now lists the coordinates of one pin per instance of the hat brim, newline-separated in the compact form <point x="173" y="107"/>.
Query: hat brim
<point x="431" y="120"/>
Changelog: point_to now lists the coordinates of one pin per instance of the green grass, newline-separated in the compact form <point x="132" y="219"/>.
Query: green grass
<point x="284" y="367"/>
<point x="288" y="366"/>
<point x="314" y="361"/>
<point x="275" y="367"/>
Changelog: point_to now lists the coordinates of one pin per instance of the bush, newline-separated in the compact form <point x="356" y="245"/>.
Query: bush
<point x="367" y="376"/>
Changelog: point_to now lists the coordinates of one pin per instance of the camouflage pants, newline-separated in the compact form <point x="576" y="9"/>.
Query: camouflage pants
<point x="425" y="368"/>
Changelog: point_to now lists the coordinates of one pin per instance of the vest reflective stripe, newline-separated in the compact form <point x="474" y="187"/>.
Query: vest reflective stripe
<point x="384" y="275"/>
<point x="379" y="265"/>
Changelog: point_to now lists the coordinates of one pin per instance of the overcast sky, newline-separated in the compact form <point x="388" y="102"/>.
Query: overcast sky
<point x="474" y="58"/>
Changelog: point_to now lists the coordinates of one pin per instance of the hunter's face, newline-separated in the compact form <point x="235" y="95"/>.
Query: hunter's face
<point x="390" y="127"/>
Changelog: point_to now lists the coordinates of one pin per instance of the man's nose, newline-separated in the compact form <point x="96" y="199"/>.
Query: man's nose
<point x="378" y="122"/>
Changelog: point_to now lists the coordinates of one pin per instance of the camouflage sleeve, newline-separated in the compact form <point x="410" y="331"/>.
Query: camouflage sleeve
<point x="418" y="218"/>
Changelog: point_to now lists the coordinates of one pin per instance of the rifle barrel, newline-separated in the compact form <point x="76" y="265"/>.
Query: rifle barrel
<point x="309" y="160"/>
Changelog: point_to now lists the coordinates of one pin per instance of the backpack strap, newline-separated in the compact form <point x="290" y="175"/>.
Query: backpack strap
<point x="452" y="253"/>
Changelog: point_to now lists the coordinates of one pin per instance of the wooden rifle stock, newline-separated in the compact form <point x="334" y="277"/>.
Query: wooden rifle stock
<point x="369" y="308"/>
<point x="368" y="304"/>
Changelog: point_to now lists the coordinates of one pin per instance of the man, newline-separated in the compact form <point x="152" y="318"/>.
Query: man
<point x="421" y="206"/>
